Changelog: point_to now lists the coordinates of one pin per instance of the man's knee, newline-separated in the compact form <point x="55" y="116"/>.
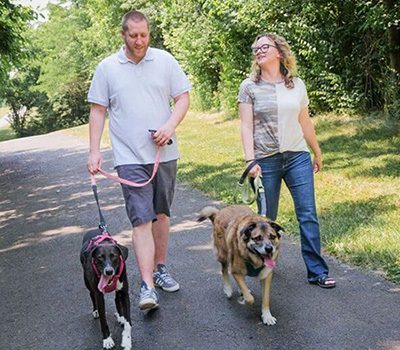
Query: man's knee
<point x="162" y="218"/>
<point x="144" y="228"/>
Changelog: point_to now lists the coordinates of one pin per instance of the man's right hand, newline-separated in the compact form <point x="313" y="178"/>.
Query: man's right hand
<point x="94" y="162"/>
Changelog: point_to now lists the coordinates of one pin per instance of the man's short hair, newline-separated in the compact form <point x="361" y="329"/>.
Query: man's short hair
<point x="135" y="16"/>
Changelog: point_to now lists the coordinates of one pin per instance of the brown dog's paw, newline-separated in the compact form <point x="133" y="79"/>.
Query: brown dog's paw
<point x="267" y="318"/>
<point x="249" y="300"/>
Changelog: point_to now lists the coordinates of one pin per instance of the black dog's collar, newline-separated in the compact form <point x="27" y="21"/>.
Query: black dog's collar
<point x="252" y="271"/>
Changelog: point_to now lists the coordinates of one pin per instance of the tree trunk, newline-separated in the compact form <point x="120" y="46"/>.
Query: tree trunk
<point x="394" y="40"/>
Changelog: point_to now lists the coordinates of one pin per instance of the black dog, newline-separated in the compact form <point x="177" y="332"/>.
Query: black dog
<point x="103" y="262"/>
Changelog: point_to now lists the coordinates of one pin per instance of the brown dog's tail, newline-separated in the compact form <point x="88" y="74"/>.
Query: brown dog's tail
<point x="207" y="213"/>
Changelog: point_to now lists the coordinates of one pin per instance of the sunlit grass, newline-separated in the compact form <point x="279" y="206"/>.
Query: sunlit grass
<point x="357" y="191"/>
<point x="6" y="133"/>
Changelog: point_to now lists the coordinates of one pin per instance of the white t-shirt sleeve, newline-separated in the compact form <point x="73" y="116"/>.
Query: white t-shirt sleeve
<point x="98" y="91"/>
<point x="179" y="82"/>
<point x="304" y="101"/>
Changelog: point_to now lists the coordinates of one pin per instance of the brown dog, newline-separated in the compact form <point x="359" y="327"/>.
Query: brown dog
<point x="245" y="244"/>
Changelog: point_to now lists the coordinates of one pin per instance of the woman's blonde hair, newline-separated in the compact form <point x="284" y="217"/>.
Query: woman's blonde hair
<point x="288" y="61"/>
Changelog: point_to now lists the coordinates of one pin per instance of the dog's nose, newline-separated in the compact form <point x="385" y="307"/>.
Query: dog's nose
<point x="109" y="271"/>
<point x="268" y="248"/>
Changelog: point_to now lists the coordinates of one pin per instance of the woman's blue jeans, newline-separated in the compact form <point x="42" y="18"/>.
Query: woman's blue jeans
<point x="295" y="168"/>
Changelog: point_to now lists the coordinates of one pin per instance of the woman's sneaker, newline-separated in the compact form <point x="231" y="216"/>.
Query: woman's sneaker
<point x="163" y="279"/>
<point x="148" y="297"/>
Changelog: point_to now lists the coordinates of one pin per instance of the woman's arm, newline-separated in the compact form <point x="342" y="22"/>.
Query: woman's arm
<point x="311" y="138"/>
<point x="246" y="127"/>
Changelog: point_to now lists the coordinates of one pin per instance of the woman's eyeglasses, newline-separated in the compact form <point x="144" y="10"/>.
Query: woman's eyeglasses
<point x="263" y="48"/>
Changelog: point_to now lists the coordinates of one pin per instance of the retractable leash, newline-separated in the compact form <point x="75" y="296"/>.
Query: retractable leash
<point x="102" y="225"/>
<point x="257" y="187"/>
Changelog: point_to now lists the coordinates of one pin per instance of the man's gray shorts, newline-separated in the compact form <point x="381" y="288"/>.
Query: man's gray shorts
<point x="144" y="203"/>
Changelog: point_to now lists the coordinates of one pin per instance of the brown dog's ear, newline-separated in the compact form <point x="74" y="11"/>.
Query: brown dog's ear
<point x="246" y="231"/>
<point x="124" y="251"/>
<point x="277" y="228"/>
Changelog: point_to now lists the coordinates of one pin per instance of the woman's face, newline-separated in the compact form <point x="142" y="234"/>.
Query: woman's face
<point x="266" y="52"/>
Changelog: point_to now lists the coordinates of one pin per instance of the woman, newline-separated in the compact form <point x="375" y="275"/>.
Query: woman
<point x="276" y="129"/>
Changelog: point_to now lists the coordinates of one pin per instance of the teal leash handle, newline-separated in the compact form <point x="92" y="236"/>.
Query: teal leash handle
<point x="261" y="198"/>
<point x="256" y="184"/>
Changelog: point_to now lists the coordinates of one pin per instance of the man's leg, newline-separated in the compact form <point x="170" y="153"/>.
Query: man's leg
<point x="164" y="193"/>
<point x="160" y="231"/>
<point x="143" y="246"/>
<point x="139" y="207"/>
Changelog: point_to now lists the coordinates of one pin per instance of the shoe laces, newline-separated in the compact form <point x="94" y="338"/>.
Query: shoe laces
<point x="167" y="277"/>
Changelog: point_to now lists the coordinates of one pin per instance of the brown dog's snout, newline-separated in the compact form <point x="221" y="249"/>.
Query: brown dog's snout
<point x="268" y="248"/>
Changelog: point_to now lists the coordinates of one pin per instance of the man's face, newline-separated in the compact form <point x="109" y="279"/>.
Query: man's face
<point x="136" y="39"/>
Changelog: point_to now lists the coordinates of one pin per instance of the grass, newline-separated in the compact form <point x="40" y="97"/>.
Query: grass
<point x="357" y="191"/>
<point x="6" y="133"/>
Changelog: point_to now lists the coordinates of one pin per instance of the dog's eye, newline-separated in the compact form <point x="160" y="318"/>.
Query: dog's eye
<point x="100" y="257"/>
<point x="258" y="238"/>
<point x="272" y="237"/>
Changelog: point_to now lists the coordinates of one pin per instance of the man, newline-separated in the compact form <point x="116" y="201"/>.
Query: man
<point x="136" y="85"/>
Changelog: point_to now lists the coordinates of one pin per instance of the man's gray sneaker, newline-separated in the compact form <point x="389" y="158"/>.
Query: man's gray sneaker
<point x="163" y="279"/>
<point x="148" y="297"/>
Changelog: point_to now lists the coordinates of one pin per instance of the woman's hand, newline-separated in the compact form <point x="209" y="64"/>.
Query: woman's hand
<point x="317" y="163"/>
<point x="255" y="171"/>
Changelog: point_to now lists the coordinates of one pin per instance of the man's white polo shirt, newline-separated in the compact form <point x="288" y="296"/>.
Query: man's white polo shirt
<point x="138" y="98"/>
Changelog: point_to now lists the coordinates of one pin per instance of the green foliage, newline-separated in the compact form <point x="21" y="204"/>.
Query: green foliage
<point x="21" y="98"/>
<point x="348" y="52"/>
<point x="13" y="22"/>
<point x="342" y="47"/>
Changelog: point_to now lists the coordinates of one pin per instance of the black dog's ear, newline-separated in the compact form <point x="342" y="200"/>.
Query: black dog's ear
<point x="277" y="228"/>
<point x="89" y="254"/>
<point x="124" y="251"/>
<point x="246" y="232"/>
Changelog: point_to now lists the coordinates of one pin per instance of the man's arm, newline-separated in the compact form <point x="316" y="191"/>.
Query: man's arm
<point x="97" y="118"/>
<point x="165" y="132"/>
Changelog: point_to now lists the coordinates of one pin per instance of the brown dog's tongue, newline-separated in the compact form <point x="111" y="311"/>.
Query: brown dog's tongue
<point x="104" y="281"/>
<point x="269" y="263"/>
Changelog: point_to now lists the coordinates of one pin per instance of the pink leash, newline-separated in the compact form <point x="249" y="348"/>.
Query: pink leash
<point x="127" y="182"/>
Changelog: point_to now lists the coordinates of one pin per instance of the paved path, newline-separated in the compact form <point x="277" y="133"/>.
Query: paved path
<point x="46" y="205"/>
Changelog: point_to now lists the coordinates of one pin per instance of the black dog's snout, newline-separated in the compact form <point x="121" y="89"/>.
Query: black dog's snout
<point x="109" y="271"/>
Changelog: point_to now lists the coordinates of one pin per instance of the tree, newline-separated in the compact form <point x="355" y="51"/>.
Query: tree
<point x="13" y="22"/>
<point x="21" y="98"/>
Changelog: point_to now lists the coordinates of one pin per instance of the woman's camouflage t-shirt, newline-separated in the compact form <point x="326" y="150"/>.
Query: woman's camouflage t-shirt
<point x="276" y="112"/>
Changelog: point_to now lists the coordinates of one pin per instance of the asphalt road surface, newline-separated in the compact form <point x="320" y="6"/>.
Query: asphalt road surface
<point x="46" y="205"/>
